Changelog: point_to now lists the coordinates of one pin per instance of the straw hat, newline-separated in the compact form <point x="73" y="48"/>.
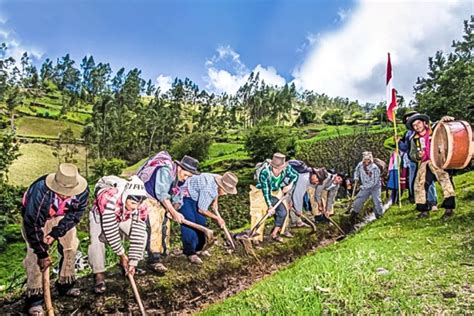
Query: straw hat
<point x="228" y="182"/>
<point x="278" y="161"/>
<point x="66" y="181"/>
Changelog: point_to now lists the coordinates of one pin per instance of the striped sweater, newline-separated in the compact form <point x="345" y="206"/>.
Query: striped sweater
<point x="112" y="213"/>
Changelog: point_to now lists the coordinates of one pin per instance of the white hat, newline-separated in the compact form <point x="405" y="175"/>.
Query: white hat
<point x="134" y="187"/>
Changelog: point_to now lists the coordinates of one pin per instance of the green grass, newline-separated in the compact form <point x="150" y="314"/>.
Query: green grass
<point x="426" y="260"/>
<point x="327" y="131"/>
<point x="35" y="161"/>
<point x="41" y="127"/>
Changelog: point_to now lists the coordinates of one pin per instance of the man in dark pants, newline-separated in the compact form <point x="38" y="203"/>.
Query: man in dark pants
<point x="52" y="206"/>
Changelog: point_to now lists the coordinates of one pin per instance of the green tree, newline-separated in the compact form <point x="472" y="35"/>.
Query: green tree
<point x="333" y="117"/>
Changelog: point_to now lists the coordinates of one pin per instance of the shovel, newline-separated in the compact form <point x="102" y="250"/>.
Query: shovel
<point x="137" y="295"/>
<point x="47" y="293"/>
<point x="341" y="237"/>
<point x="226" y="231"/>
<point x="307" y="220"/>
<point x="352" y="197"/>
<point x="263" y="219"/>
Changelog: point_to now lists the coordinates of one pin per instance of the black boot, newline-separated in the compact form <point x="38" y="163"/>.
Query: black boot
<point x="448" y="213"/>
<point x="423" y="214"/>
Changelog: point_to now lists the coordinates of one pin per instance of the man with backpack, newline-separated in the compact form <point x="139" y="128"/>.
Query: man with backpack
<point x="51" y="208"/>
<point x="368" y="174"/>
<point x="200" y="193"/>
<point x="118" y="211"/>
<point x="270" y="188"/>
<point x="163" y="178"/>
<point x="308" y="178"/>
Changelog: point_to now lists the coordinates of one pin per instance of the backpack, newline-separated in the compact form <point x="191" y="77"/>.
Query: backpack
<point x="259" y="167"/>
<point x="382" y="167"/>
<point x="110" y="182"/>
<point x="300" y="166"/>
<point x="161" y="159"/>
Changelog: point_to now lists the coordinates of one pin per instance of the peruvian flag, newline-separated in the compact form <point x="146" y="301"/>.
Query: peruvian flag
<point x="391" y="93"/>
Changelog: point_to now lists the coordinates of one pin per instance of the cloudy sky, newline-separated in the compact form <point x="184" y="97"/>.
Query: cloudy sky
<point x="337" y="47"/>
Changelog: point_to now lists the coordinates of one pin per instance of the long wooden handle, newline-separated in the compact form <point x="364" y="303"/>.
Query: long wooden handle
<point x="335" y="224"/>
<point x="205" y="230"/>
<point x="263" y="219"/>
<point x="352" y="196"/>
<point x="226" y="231"/>
<point x="47" y="293"/>
<point x="310" y="222"/>
<point x="137" y="295"/>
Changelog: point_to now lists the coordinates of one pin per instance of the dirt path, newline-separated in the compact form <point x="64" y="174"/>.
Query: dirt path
<point x="187" y="288"/>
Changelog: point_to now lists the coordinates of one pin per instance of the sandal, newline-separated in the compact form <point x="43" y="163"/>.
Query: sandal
<point x="36" y="310"/>
<point x="73" y="292"/>
<point x="158" y="267"/>
<point x="99" y="288"/>
<point x="278" y="239"/>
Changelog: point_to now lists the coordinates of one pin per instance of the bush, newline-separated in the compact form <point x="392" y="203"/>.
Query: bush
<point x="195" y="145"/>
<point x="107" y="167"/>
<point x="263" y="141"/>
<point x="342" y="152"/>
<point x="10" y="206"/>
<point x="333" y="117"/>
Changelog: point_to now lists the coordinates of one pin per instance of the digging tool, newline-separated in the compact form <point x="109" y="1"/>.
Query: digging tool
<point x="267" y="215"/>
<point x="334" y="223"/>
<point x="310" y="222"/>
<point x="352" y="196"/>
<point x="137" y="295"/>
<point x="226" y="231"/>
<point x="209" y="233"/>
<point x="47" y="293"/>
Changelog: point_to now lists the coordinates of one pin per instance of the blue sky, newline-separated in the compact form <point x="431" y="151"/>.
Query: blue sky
<point x="218" y="43"/>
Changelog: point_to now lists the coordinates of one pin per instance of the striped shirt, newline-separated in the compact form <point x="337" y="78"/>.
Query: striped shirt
<point x="330" y="187"/>
<point x="203" y="189"/>
<point x="268" y="182"/>
<point x="110" y="226"/>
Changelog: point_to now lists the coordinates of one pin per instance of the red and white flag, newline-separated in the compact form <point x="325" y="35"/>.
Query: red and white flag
<point x="391" y="92"/>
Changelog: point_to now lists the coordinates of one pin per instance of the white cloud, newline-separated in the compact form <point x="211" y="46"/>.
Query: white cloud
<point x="226" y="72"/>
<point x="15" y="48"/>
<point x="342" y="14"/>
<point x="351" y="61"/>
<point x="164" y="83"/>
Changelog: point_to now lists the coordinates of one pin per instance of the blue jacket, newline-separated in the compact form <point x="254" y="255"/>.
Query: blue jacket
<point x="38" y="202"/>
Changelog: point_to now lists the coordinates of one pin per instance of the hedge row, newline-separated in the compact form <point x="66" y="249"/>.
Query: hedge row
<point x="343" y="152"/>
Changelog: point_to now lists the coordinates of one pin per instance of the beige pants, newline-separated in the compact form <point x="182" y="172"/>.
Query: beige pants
<point x="314" y="205"/>
<point x="160" y="227"/>
<point x="442" y="177"/>
<point x="258" y="209"/>
<point x="69" y="242"/>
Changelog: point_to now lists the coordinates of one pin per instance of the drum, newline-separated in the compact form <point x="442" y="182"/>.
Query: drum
<point x="452" y="145"/>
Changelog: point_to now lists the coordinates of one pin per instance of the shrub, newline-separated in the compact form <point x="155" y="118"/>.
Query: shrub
<point x="333" y="117"/>
<point x="263" y="141"/>
<point x="342" y="152"/>
<point x="195" y="145"/>
<point x="103" y="167"/>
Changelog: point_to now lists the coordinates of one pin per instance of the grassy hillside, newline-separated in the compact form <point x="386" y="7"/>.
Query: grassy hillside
<point x="37" y="160"/>
<point x="396" y="265"/>
<point x="44" y="128"/>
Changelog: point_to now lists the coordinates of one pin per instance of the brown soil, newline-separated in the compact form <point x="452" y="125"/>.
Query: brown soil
<point x="187" y="288"/>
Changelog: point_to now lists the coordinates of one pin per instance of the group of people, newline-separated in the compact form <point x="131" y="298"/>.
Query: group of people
<point x="164" y="189"/>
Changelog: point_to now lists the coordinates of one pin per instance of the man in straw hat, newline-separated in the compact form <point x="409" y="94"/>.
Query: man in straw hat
<point x="368" y="175"/>
<point x="272" y="176"/>
<point x="201" y="192"/>
<point x="420" y="151"/>
<point x="118" y="211"/>
<point x="163" y="177"/>
<point x="52" y="206"/>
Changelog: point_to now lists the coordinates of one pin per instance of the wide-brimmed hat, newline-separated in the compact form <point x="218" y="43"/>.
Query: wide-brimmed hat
<point x="189" y="164"/>
<point x="66" y="181"/>
<point x="228" y="182"/>
<point x="278" y="160"/>
<point x="407" y="115"/>
<point x="415" y="117"/>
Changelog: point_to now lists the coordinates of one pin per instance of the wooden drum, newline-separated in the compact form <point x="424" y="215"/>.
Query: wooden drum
<point x="452" y="145"/>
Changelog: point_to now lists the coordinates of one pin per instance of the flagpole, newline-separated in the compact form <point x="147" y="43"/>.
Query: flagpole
<point x="398" y="162"/>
